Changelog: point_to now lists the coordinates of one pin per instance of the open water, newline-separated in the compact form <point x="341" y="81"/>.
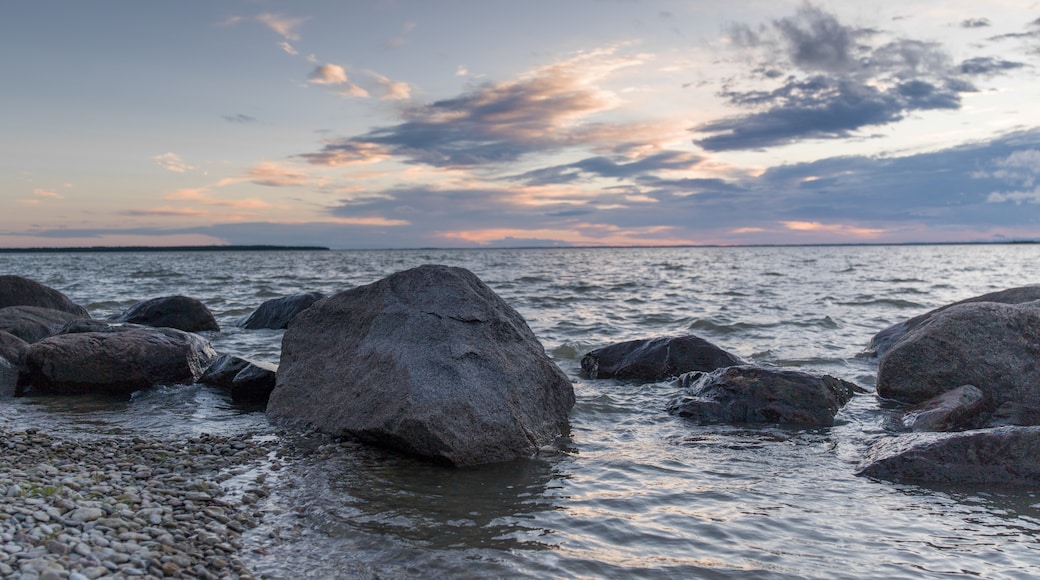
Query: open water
<point x="634" y="492"/>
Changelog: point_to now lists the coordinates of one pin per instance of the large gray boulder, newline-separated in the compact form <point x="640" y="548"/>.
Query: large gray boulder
<point x="429" y="361"/>
<point x="951" y="411"/>
<point x="993" y="346"/>
<point x="33" y="323"/>
<point x="277" y="312"/>
<point x="884" y="340"/>
<point x="11" y="347"/>
<point x="753" y="394"/>
<point x="180" y="312"/>
<point x="1003" y="455"/>
<point x="19" y="291"/>
<point x="655" y="359"/>
<point x="118" y="362"/>
<point x="246" y="380"/>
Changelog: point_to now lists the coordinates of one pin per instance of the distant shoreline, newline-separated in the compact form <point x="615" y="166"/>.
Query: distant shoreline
<point x="260" y="248"/>
<point x="271" y="248"/>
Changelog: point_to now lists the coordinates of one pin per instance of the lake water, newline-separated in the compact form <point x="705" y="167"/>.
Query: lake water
<point x="634" y="492"/>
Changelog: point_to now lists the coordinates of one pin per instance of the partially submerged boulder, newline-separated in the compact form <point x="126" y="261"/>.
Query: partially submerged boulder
<point x="246" y="380"/>
<point x="11" y="347"/>
<point x="753" y="394"/>
<point x="1002" y="455"/>
<point x="19" y="291"/>
<point x="277" y="312"/>
<point x="429" y="361"/>
<point x="34" y="323"/>
<point x="951" y="411"/>
<point x="118" y="362"/>
<point x="180" y="312"/>
<point x="655" y="359"/>
<point x="993" y="346"/>
<point x="884" y="340"/>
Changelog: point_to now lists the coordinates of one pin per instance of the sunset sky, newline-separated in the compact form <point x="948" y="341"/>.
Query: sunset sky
<point x="483" y="123"/>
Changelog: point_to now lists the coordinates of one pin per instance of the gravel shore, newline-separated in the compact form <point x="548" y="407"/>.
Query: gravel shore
<point x="128" y="507"/>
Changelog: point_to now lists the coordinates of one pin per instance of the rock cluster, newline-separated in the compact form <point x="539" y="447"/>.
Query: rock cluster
<point x="968" y="371"/>
<point x="125" y="507"/>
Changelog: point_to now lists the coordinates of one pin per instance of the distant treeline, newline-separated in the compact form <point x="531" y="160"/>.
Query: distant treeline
<point x="162" y="249"/>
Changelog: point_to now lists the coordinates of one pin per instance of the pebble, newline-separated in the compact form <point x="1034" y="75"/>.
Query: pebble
<point x="80" y="509"/>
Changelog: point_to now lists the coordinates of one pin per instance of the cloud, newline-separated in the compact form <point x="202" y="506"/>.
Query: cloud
<point x="839" y="79"/>
<point x="328" y="74"/>
<point x="239" y="118"/>
<point x="274" y="175"/>
<point x="985" y="65"/>
<point x="497" y="123"/>
<point x="172" y="162"/>
<point x="975" y="23"/>
<point x="285" y="26"/>
<point x="1020" y="169"/>
<point x="288" y="48"/>
<point x="47" y="193"/>
<point x="391" y="90"/>
<point x="612" y="167"/>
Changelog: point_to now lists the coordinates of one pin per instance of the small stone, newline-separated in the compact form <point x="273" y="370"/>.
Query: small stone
<point x="86" y="514"/>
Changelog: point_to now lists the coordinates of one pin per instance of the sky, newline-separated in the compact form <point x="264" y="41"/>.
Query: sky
<point x="485" y="123"/>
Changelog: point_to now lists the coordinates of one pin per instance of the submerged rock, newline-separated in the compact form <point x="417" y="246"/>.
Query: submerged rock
<point x="277" y="312"/>
<point x="1002" y="455"/>
<point x="118" y="362"/>
<point x="884" y="340"/>
<point x="34" y="323"/>
<point x="995" y="347"/>
<point x="19" y="291"/>
<point x="429" y="361"/>
<point x="655" y="359"/>
<point x="752" y="394"/>
<point x="950" y="411"/>
<point x="246" y="380"/>
<point x="180" y="312"/>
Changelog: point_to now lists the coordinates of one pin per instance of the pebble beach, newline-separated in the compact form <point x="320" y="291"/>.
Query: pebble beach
<point x="117" y="507"/>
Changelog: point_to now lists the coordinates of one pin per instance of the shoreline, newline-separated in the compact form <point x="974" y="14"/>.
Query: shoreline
<point x="113" y="506"/>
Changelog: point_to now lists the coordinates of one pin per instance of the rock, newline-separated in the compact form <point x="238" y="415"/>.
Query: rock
<point x="248" y="381"/>
<point x="277" y="312"/>
<point x="1002" y="455"/>
<point x="994" y="346"/>
<point x="33" y="323"/>
<point x="655" y="359"/>
<point x="19" y="291"/>
<point x="118" y="362"/>
<point x="884" y="340"/>
<point x="752" y="394"/>
<point x="8" y="379"/>
<point x="429" y="361"/>
<point x="11" y="347"/>
<point x="180" y="312"/>
<point x="950" y="411"/>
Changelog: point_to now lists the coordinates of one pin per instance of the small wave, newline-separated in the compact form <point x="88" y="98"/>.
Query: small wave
<point x="711" y="326"/>
<point x="884" y="302"/>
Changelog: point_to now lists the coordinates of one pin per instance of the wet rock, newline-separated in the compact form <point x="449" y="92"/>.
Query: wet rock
<point x="277" y="312"/>
<point x="247" y="380"/>
<point x="115" y="362"/>
<point x="655" y="359"/>
<point x="11" y="347"/>
<point x="8" y="379"/>
<point x="993" y="346"/>
<point x="1002" y="455"/>
<point x="429" y="361"/>
<point x="33" y="323"/>
<point x="884" y="340"/>
<point x="180" y="312"/>
<point x="19" y="291"/>
<point x="950" y="411"/>
<point x="752" y="394"/>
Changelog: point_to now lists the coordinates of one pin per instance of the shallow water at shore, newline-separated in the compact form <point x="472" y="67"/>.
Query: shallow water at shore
<point x="633" y="492"/>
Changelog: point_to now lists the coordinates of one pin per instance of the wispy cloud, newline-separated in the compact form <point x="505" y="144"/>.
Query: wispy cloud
<point x="497" y="122"/>
<point x="172" y="162"/>
<point x="285" y="26"/>
<point x="1020" y="170"/>
<point x="274" y="175"/>
<point x="239" y="118"/>
<point x="335" y="77"/>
